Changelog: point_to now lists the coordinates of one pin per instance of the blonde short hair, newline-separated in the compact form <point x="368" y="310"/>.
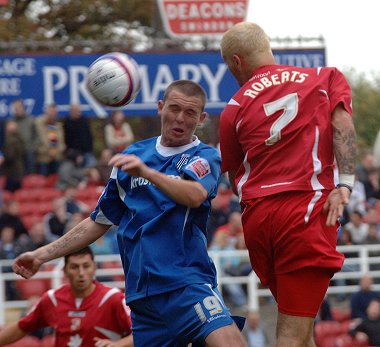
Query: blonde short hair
<point x="245" y="39"/>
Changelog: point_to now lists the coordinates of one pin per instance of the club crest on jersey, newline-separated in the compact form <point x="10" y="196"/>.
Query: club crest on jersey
<point x="200" y="167"/>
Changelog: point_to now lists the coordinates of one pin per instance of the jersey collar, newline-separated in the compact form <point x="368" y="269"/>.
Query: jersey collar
<point x="169" y="151"/>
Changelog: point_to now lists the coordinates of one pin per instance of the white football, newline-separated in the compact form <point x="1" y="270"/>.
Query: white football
<point x="114" y="79"/>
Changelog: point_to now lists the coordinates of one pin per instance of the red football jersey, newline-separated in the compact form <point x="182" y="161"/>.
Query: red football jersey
<point x="276" y="131"/>
<point x="76" y="321"/>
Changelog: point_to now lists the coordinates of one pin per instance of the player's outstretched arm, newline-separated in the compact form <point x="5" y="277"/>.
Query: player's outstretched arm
<point x="11" y="333"/>
<point x="345" y="153"/>
<point x="124" y="342"/>
<point x="184" y="192"/>
<point x="83" y="234"/>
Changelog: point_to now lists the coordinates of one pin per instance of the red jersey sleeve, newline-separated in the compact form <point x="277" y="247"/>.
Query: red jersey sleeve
<point x="231" y="151"/>
<point x="36" y="317"/>
<point x="339" y="91"/>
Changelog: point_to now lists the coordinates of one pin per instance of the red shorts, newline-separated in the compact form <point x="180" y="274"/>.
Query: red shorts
<point x="287" y="232"/>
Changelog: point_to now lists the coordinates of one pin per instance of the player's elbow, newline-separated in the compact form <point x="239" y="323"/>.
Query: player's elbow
<point x="197" y="197"/>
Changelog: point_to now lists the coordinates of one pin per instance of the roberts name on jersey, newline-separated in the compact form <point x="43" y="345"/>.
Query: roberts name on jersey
<point x="273" y="80"/>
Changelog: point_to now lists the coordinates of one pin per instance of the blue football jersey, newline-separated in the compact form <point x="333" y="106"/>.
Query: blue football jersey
<point x="162" y="244"/>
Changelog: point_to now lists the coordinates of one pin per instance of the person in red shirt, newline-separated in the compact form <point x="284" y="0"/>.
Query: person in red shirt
<point x="84" y="312"/>
<point x="279" y="135"/>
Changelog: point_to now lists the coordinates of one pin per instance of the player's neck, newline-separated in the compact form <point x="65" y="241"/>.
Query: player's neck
<point x="85" y="292"/>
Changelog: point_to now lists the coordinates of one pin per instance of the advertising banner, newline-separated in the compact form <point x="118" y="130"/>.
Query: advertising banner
<point x="44" y="79"/>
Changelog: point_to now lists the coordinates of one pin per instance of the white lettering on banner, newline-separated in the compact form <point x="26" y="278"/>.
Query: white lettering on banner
<point x="304" y="60"/>
<point x="10" y="86"/>
<point x="56" y="79"/>
<point x="205" y="10"/>
<point x="17" y="67"/>
<point x="51" y="73"/>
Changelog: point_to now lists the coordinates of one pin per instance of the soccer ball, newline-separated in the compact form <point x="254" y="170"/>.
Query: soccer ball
<point x="114" y="79"/>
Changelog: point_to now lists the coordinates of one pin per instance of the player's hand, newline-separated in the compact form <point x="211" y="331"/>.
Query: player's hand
<point x="131" y="164"/>
<point x="334" y="205"/>
<point x="103" y="342"/>
<point x="26" y="264"/>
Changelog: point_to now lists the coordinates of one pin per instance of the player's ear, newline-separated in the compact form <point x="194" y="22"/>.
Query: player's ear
<point x="160" y="106"/>
<point x="202" y="118"/>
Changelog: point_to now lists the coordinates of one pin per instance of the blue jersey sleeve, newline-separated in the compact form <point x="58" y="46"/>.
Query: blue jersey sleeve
<point x="205" y="168"/>
<point x="111" y="207"/>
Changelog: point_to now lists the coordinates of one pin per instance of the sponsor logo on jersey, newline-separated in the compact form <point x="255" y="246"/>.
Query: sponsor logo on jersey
<point x="200" y="167"/>
<point x="79" y="314"/>
<point x="182" y="161"/>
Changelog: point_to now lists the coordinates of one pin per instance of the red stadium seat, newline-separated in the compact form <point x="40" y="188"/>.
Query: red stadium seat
<point x="27" y="208"/>
<point x="7" y="195"/>
<point x="325" y="329"/>
<point x="32" y="287"/>
<point x="2" y="181"/>
<point x="51" y="180"/>
<point x="49" y="194"/>
<point x="89" y="193"/>
<point x="26" y="195"/>
<point x="27" y="341"/>
<point x="340" y="314"/>
<point x="34" y="181"/>
<point x="29" y="220"/>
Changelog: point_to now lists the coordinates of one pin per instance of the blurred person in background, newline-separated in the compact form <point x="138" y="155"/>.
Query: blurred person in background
<point x="360" y="300"/>
<point x="101" y="173"/>
<point x="365" y="166"/>
<point x="368" y="330"/>
<point x="71" y="171"/>
<point x="254" y="332"/>
<point x="357" y="227"/>
<point x="118" y="133"/>
<point x="55" y="222"/>
<point x="78" y="135"/>
<point x="27" y="130"/>
<point x="83" y="312"/>
<point x="50" y="141"/>
<point x="10" y="217"/>
<point x="37" y="236"/>
<point x="14" y="152"/>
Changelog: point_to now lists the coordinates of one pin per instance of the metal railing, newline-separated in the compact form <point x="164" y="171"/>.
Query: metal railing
<point x="361" y="259"/>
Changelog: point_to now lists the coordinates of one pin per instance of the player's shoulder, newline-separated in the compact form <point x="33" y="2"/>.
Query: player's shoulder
<point x="141" y="145"/>
<point x="108" y="294"/>
<point x="207" y="149"/>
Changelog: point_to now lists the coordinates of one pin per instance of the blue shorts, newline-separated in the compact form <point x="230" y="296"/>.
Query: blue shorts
<point x="178" y="317"/>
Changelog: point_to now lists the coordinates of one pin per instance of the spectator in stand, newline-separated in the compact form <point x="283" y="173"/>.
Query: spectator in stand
<point x="14" y="157"/>
<point x="118" y="133"/>
<point x="233" y="228"/>
<point x="78" y="135"/>
<point x="254" y="332"/>
<point x="50" y="145"/>
<point x="357" y="227"/>
<point x="228" y="265"/>
<point x="73" y="205"/>
<point x="101" y="173"/>
<point x="27" y="130"/>
<point x="358" y="199"/>
<point x="83" y="312"/>
<point x="368" y="330"/>
<point x="10" y="217"/>
<point x="55" y="222"/>
<point x="365" y="166"/>
<point x="9" y="249"/>
<point x="37" y="237"/>
<point x="373" y="237"/>
<point x="372" y="185"/>
<point x="71" y="171"/>
<point x="376" y="151"/>
<point x="360" y="300"/>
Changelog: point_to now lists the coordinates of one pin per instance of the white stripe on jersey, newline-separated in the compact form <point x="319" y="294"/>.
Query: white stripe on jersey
<point x="108" y="295"/>
<point x="233" y="102"/>
<point x="316" y="185"/>
<point x="244" y="178"/>
<point x="102" y="219"/>
<point x="51" y="294"/>
<point x="109" y="333"/>
<point x="311" y="205"/>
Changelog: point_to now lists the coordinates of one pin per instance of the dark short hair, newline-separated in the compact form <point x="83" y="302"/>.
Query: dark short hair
<point x="188" y="88"/>
<point x="83" y="251"/>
